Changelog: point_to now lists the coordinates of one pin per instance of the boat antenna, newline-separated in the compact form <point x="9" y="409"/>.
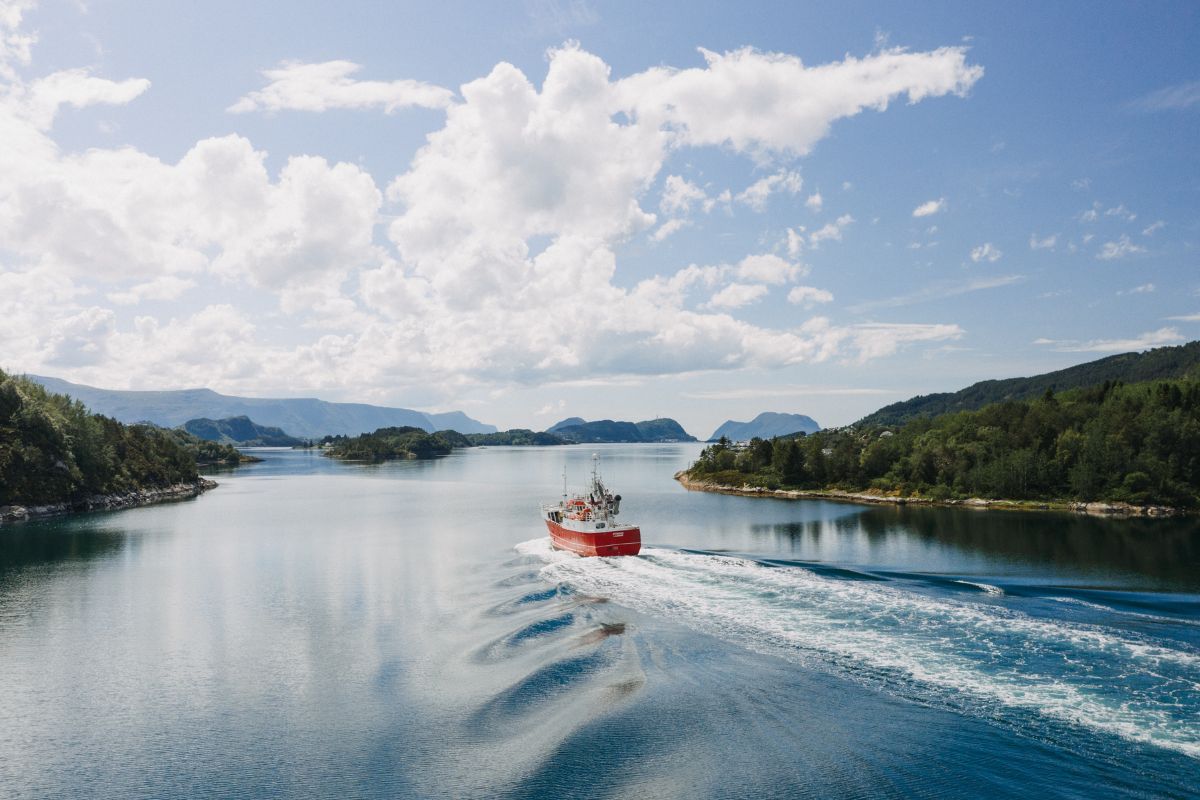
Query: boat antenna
<point x="564" y="482"/>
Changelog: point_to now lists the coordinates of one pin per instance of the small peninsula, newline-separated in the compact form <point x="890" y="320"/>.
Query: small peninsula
<point x="1112" y="448"/>
<point x="56" y="457"/>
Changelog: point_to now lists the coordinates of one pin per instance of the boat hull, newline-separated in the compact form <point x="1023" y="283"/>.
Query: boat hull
<point x="617" y="542"/>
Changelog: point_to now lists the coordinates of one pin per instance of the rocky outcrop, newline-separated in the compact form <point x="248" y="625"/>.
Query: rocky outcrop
<point x="1094" y="509"/>
<point x="108" y="502"/>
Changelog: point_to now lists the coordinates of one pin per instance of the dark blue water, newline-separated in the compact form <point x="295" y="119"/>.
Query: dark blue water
<point x="318" y="629"/>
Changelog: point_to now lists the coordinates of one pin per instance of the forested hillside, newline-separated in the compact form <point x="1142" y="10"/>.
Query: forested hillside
<point x="1158" y="364"/>
<point x="662" y="429"/>
<point x="521" y="437"/>
<point x="52" y="449"/>
<point x="239" y="431"/>
<point x="1137" y="443"/>
<point x="390" y="443"/>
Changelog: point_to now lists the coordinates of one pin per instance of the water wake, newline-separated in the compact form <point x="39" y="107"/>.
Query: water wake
<point x="980" y="658"/>
<point x="986" y="588"/>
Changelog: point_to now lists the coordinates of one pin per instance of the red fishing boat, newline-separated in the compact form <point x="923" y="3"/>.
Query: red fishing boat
<point x="586" y="523"/>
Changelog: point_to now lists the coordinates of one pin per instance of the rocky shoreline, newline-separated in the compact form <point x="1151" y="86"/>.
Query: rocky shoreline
<point x="107" y="502"/>
<point x="1094" y="509"/>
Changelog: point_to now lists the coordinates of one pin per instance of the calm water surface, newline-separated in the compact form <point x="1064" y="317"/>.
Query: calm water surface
<point x="328" y="630"/>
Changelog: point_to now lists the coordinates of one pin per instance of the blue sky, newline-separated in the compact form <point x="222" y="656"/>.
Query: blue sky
<point x="530" y="211"/>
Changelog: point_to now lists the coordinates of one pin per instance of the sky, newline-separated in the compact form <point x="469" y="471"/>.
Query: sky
<point x="556" y="208"/>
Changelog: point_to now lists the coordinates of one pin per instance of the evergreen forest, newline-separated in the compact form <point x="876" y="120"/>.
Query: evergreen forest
<point x="1137" y="443"/>
<point x="395" y="442"/>
<point x="52" y="449"/>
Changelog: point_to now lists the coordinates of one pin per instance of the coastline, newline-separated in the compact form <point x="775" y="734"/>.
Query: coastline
<point x="107" y="502"/>
<point x="1097" y="509"/>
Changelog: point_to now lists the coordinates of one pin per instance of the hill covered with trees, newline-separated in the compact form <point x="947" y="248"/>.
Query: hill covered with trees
<point x="1161" y="363"/>
<point x="1135" y="443"/>
<point x="206" y="453"/>
<point x="521" y="437"/>
<point x="54" y="450"/>
<point x="575" y="430"/>
<point x="239" y="431"/>
<point x="392" y="443"/>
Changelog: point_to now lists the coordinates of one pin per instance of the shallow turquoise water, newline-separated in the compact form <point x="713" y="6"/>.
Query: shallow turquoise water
<point x="320" y="629"/>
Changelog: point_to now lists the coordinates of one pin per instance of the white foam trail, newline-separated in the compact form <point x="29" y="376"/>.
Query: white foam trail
<point x="969" y="655"/>
<point x="1075" y="601"/>
<point x="986" y="587"/>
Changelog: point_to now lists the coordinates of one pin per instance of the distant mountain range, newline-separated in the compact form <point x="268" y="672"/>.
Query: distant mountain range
<point x="576" y="429"/>
<point x="766" y="425"/>
<point x="240" y="431"/>
<point x="306" y="417"/>
<point x="1157" y="364"/>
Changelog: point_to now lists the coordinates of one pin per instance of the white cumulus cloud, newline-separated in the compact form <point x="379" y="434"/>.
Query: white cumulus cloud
<point x="930" y="207"/>
<point x="294" y="86"/>
<point x="830" y="232"/>
<point x="1121" y="212"/>
<point x="1121" y="248"/>
<point x="679" y="195"/>
<point x="808" y="295"/>
<point x="164" y="287"/>
<point x="516" y="206"/>
<point x="736" y="295"/>
<point x="986" y="252"/>
<point x="768" y="268"/>
<point x="760" y="102"/>
<point x="669" y="227"/>
<point x="756" y="194"/>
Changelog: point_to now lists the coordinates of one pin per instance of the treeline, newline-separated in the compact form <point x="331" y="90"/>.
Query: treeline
<point x="1163" y="363"/>
<point x="410" y="442"/>
<point x="522" y="437"/>
<point x="396" y="442"/>
<point x="1136" y="443"/>
<point x="239" y="431"/>
<point x="209" y="454"/>
<point x="52" y="449"/>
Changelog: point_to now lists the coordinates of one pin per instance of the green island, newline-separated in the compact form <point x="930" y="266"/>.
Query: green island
<point x="403" y="441"/>
<point x="57" y="456"/>
<point x="407" y="442"/>
<point x="1134" y="446"/>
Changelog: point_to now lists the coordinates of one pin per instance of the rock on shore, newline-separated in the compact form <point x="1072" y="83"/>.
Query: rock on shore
<point x="109" y="502"/>
<point x="1094" y="509"/>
